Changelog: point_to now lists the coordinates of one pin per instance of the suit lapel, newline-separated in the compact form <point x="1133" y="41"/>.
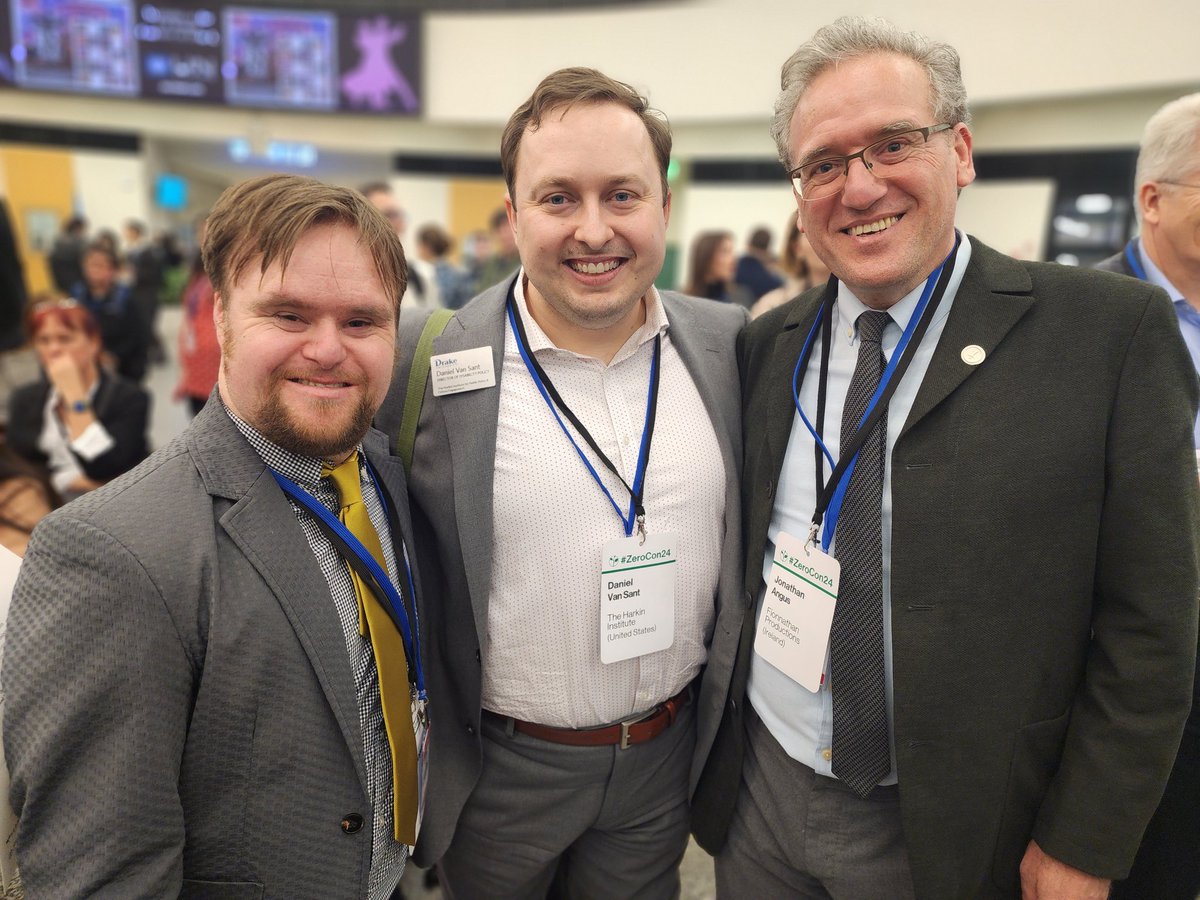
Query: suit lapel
<point x="704" y="353"/>
<point x="995" y="294"/>
<point x="263" y="526"/>
<point x="471" y="419"/>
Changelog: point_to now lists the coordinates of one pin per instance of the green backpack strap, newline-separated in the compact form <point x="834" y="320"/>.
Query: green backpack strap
<point x="418" y="376"/>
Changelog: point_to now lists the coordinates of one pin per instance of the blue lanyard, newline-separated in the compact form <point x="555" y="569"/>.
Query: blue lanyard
<point x="637" y="512"/>
<point x="829" y="503"/>
<point x="380" y="579"/>
<point x="1131" y="257"/>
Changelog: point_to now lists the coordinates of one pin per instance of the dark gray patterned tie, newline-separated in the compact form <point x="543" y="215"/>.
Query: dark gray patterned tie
<point x="861" y="755"/>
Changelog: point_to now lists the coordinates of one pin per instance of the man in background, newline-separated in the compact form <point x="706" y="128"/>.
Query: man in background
<point x="422" y="286"/>
<point x="1167" y="254"/>
<point x="575" y="468"/>
<point x="504" y="259"/>
<point x="205" y="694"/>
<point x="971" y="530"/>
<point x="756" y="270"/>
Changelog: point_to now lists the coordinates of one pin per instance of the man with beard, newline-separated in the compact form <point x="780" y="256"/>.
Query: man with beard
<point x="575" y="463"/>
<point x="213" y="673"/>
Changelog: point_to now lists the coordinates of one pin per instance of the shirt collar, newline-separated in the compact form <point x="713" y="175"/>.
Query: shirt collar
<point x="1155" y="275"/>
<point x="656" y="323"/>
<point x="304" y="470"/>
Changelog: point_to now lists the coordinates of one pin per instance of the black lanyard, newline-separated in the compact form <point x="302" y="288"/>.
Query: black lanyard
<point x="546" y="387"/>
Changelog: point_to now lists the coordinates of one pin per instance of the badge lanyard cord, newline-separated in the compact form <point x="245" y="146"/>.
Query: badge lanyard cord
<point x="365" y="564"/>
<point x="830" y="495"/>
<point x="1131" y="257"/>
<point x="637" y="510"/>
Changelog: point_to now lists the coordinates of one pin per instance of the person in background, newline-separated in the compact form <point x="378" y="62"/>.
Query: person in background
<point x="1167" y="253"/>
<point x="433" y="247"/>
<point x="972" y="529"/>
<point x="82" y="424"/>
<point x="146" y="273"/>
<point x="66" y="254"/>
<point x="504" y="259"/>
<point x="802" y="269"/>
<point x="25" y="498"/>
<point x="756" y="270"/>
<point x="111" y="302"/>
<point x="711" y="269"/>
<point x="422" y="288"/>
<point x="199" y="350"/>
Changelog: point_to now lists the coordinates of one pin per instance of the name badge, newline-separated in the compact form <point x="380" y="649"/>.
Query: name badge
<point x="797" y="613"/>
<point x="464" y="370"/>
<point x="637" y="596"/>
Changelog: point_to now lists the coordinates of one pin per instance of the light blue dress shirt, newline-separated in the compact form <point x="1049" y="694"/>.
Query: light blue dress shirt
<point x="800" y="720"/>
<point x="1189" y="317"/>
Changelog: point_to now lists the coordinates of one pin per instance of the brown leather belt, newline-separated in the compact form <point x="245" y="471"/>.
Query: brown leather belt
<point x="638" y="730"/>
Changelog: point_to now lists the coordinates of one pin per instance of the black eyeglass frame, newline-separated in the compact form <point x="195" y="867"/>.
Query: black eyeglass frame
<point x="794" y="175"/>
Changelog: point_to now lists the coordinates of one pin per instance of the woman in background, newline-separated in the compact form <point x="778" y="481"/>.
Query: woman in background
<point x="82" y="424"/>
<point x="802" y="269"/>
<point x="713" y="263"/>
<point x="433" y="245"/>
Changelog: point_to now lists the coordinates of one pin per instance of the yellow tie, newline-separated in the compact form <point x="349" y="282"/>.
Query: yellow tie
<point x="388" y="644"/>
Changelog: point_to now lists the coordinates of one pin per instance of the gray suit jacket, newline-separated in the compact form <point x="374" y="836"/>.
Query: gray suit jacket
<point x="451" y="490"/>
<point x="1045" y="571"/>
<point x="181" y="717"/>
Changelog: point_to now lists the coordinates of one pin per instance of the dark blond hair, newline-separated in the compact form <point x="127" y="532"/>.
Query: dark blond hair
<point x="263" y="219"/>
<point x="561" y="90"/>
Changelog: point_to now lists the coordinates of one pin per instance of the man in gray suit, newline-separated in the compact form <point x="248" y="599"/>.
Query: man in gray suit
<point x="193" y="678"/>
<point x="967" y="660"/>
<point x="575" y="466"/>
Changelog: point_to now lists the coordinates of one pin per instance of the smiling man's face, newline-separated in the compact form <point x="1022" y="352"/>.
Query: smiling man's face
<point x="589" y="216"/>
<point x="881" y="237"/>
<point x="307" y="354"/>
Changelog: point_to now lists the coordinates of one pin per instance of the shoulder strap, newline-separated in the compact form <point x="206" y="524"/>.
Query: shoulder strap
<point x="417" y="378"/>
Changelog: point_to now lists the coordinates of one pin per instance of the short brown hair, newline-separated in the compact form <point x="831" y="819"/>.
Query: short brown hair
<point x="265" y="217"/>
<point x="567" y="87"/>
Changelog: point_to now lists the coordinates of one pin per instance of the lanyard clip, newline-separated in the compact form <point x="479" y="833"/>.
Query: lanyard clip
<point x="641" y="529"/>
<point x="813" y="529"/>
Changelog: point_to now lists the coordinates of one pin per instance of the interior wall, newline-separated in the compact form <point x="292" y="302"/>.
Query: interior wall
<point x="38" y="186"/>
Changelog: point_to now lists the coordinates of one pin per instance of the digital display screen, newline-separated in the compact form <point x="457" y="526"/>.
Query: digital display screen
<point x="216" y="53"/>
<point x="74" y="45"/>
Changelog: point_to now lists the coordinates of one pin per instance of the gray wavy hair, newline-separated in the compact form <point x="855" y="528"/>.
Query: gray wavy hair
<point x="853" y="36"/>
<point x="1169" y="143"/>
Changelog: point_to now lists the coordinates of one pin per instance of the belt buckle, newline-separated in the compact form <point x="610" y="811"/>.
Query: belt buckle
<point x="648" y="714"/>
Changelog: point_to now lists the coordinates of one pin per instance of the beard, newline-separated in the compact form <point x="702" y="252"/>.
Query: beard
<point x="280" y="427"/>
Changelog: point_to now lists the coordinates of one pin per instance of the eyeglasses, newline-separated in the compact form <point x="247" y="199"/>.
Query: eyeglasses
<point x="825" y="177"/>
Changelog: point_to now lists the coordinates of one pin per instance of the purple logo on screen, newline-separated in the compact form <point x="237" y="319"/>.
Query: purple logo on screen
<point x="372" y="82"/>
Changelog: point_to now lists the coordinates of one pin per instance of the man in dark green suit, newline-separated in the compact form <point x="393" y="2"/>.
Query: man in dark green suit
<point x="1006" y="578"/>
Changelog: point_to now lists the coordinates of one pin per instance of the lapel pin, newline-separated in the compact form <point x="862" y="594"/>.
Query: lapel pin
<point x="973" y="354"/>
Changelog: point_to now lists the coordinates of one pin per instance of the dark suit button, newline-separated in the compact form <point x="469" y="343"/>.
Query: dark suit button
<point x="478" y="658"/>
<point x="470" y="728"/>
<point x="352" y="824"/>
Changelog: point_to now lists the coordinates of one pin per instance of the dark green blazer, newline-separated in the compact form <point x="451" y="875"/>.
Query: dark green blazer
<point x="1044" y="571"/>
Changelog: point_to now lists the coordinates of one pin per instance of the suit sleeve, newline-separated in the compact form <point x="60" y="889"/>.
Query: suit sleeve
<point x="1130" y="708"/>
<point x="98" y="690"/>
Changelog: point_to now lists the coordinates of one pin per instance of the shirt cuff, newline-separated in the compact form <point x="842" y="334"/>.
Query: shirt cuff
<point x="94" y="441"/>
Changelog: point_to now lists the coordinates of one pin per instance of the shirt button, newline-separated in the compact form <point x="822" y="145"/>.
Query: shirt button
<point x="827" y="755"/>
<point x="352" y="823"/>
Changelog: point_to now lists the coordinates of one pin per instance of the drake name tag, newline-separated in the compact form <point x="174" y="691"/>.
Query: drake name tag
<point x="793" y="631"/>
<point x="637" y="596"/>
<point x="420" y="721"/>
<point x="465" y="370"/>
